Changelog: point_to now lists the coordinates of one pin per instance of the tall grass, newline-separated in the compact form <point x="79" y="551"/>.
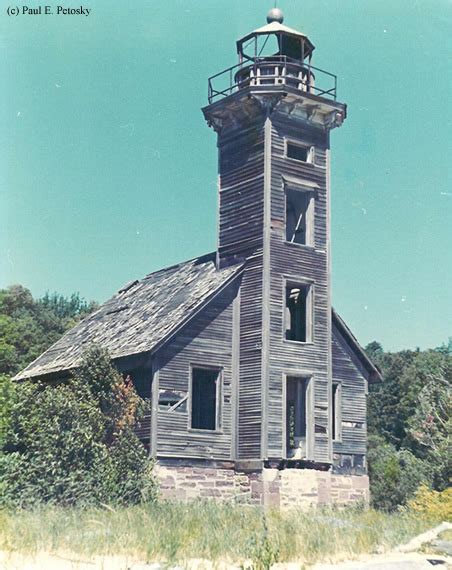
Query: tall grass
<point x="174" y="532"/>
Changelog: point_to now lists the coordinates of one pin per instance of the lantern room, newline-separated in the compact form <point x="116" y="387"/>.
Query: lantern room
<point x="273" y="55"/>
<point x="275" y="40"/>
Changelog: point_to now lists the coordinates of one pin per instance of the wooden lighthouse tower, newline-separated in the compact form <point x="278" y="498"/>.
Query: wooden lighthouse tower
<point x="273" y="120"/>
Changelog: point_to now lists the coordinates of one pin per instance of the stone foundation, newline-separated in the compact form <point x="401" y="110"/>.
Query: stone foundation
<point x="280" y="488"/>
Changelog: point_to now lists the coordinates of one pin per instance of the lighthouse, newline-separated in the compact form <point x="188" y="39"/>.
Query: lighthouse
<point x="256" y="386"/>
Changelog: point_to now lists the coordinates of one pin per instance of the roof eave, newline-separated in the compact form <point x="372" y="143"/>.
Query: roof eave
<point x="374" y="374"/>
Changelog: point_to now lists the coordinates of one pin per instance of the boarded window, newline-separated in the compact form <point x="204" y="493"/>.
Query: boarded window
<point x="298" y="417"/>
<point x="173" y="400"/>
<point x="298" y="313"/>
<point x="299" y="217"/>
<point x="300" y="152"/>
<point x="205" y="398"/>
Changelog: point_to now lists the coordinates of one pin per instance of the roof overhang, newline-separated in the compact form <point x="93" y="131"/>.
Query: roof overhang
<point x="374" y="374"/>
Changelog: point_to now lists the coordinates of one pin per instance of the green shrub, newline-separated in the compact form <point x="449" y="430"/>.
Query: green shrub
<point x="395" y="475"/>
<point x="432" y="504"/>
<point x="73" y="442"/>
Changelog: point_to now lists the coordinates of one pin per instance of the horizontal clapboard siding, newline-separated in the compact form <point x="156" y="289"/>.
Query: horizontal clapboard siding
<point x="207" y="340"/>
<point x="250" y="389"/>
<point x="303" y="263"/>
<point x="353" y="398"/>
<point x="241" y="193"/>
<point x="241" y="219"/>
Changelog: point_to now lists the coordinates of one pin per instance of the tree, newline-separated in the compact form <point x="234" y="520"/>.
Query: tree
<point x="73" y="442"/>
<point x="28" y="326"/>
<point x="430" y="427"/>
<point x="395" y="475"/>
<point x="409" y="420"/>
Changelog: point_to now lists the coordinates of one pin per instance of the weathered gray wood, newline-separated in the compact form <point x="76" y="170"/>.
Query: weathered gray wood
<point x="205" y="341"/>
<point x="353" y="409"/>
<point x="300" y="263"/>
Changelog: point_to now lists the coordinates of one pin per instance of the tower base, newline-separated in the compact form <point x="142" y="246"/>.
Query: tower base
<point x="270" y="487"/>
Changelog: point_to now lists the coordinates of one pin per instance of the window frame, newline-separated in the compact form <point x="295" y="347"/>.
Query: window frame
<point x="310" y="214"/>
<point x="336" y="411"/>
<point x="289" y="281"/>
<point x="296" y="143"/>
<point x="218" y="397"/>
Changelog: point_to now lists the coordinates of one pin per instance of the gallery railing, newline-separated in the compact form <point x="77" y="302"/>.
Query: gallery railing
<point x="274" y="70"/>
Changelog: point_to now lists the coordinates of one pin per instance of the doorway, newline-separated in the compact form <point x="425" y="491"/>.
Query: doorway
<point x="298" y="416"/>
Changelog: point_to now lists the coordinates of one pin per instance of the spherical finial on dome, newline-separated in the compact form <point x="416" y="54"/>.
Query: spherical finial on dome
<point x="275" y="15"/>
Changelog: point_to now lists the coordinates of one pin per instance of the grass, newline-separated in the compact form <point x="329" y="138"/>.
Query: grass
<point x="175" y="532"/>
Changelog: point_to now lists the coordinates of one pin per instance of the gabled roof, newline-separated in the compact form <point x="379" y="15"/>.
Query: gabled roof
<point x="374" y="374"/>
<point x="140" y="316"/>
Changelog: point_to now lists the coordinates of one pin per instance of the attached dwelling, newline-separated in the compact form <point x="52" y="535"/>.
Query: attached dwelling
<point x="257" y="386"/>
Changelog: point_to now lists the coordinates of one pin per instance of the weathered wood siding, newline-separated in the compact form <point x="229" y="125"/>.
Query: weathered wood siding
<point x="241" y="219"/>
<point x="241" y="156"/>
<point x="305" y="264"/>
<point x="353" y="398"/>
<point x="206" y="340"/>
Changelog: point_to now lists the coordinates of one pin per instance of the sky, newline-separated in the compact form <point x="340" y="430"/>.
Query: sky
<point x="108" y="170"/>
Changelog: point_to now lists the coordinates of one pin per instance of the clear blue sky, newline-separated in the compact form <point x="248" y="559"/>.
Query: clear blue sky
<point x="108" y="172"/>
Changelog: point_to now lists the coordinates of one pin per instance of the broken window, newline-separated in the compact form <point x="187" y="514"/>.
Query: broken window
<point x="205" y="398"/>
<point x="299" y="216"/>
<point x="356" y="425"/>
<point x="298" y="417"/>
<point x="173" y="400"/>
<point x="298" y="313"/>
<point x="303" y="153"/>
<point x="336" y="412"/>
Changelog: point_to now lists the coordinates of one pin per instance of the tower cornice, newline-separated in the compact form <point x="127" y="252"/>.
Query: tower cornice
<point x="258" y="102"/>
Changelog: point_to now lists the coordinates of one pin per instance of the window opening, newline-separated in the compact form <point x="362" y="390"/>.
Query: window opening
<point x="299" y="216"/>
<point x="336" y="412"/>
<point x="297" y="314"/>
<point x="300" y="152"/>
<point x="297" y="414"/>
<point x="141" y="381"/>
<point x="205" y="396"/>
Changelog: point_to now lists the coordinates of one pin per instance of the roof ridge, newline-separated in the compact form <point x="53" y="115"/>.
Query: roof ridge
<point x="207" y="257"/>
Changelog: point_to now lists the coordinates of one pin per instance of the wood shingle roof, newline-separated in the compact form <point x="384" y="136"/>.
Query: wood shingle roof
<point x="139" y="317"/>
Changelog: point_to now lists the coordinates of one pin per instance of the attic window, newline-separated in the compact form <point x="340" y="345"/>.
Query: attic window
<point x="206" y="398"/>
<point x="300" y="152"/>
<point x="173" y="400"/>
<point x="298" y="313"/>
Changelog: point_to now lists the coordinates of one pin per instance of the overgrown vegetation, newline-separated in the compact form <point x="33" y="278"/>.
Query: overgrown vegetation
<point x="72" y="442"/>
<point x="69" y="442"/>
<point x="410" y="423"/>
<point x="176" y="532"/>
<point x="432" y="504"/>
